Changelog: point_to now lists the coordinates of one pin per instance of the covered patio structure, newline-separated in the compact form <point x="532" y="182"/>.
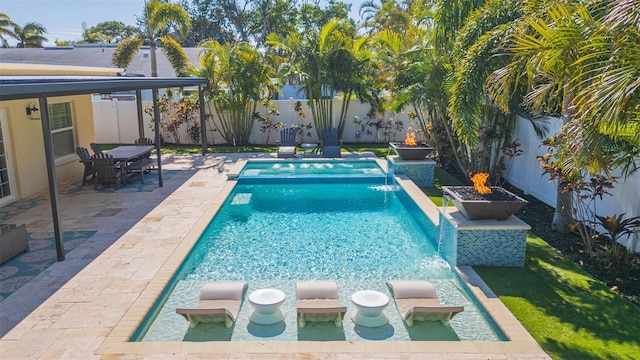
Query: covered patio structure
<point x="45" y="87"/>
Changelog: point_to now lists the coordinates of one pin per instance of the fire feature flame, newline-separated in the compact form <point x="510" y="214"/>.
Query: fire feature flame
<point x="479" y="183"/>
<point x="410" y="140"/>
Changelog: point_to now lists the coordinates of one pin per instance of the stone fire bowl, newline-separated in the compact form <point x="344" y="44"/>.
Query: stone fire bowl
<point x="499" y="205"/>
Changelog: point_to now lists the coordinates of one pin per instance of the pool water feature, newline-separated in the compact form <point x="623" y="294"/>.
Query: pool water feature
<point x="358" y="233"/>
<point x="312" y="169"/>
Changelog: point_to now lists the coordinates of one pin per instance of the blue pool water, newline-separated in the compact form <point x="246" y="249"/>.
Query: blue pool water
<point x="358" y="233"/>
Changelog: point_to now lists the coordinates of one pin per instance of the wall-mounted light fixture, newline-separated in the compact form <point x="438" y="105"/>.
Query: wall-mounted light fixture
<point x="32" y="111"/>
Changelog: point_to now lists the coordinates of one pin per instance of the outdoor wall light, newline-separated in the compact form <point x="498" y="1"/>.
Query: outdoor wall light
<point x="32" y="111"/>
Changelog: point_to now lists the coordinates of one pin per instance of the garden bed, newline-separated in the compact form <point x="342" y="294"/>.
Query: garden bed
<point x="538" y="215"/>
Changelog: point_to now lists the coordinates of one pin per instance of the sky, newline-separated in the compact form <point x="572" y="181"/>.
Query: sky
<point x="63" y="18"/>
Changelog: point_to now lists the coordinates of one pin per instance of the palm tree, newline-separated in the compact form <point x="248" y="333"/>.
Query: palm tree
<point x="330" y="61"/>
<point x="387" y="16"/>
<point x="158" y="20"/>
<point x="5" y="29"/>
<point x="608" y="101"/>
<point x="30" y="36"/>
<point x="239" y="77"/>
<point x="543" y="54"/>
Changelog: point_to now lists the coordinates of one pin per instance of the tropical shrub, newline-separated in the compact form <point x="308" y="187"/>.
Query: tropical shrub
<point x="175" y="114"/>
<point x="615" y="257"/>
<point x="239" y="78"/>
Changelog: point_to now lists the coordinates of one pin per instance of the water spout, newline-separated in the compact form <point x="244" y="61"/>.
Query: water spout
<point x="445" y="203"/>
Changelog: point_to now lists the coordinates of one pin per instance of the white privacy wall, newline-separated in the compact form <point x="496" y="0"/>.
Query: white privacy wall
<point x="525" y="173"/>
<point x="116" y="123"/>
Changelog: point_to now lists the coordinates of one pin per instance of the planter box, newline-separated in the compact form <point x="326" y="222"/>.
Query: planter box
<point x="13" y="241"/>
<point x="497" y="206"/>
<point x="411" y="152"/>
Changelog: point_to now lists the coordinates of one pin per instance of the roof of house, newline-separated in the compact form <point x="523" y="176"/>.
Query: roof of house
<point x="96" y="55"/>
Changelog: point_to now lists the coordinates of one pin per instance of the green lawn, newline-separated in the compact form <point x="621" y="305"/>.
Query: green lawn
<point x="569" y="313"/>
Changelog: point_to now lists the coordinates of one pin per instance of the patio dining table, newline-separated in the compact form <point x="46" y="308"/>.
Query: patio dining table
<point x="128" y="154"/>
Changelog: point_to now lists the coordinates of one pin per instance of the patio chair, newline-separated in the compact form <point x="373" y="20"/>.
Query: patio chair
<point x="330" y="144"/>
<point x="219" y="301"/>
<point x="107" y="170"/>
<point x="318" y="301"/>
<point x="147" y="156"/>
<point x="144" y="141"/>
<point x="287" y="144"/>
<point x="95" y="148"/>
<point x="85" y="159"/>
<point x="417" y="300"/>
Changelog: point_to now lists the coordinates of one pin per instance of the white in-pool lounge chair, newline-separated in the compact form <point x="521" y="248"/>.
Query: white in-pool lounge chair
<point x="417" y="300"/>
<point x="219" y="301"/>
<point x="318" y="301"/>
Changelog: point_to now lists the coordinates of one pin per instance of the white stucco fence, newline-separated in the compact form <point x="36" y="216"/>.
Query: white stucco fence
<point x="524" y="172"/>
<point x="115" y="122"/>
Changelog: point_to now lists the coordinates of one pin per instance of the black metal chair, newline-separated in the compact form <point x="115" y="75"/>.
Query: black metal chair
<point x="85" y="159"/>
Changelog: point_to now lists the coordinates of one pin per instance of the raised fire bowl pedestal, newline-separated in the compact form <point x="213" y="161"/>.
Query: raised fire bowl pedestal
<point x="421" y="172"/>
<point x="467" y="242"/>
<point x="482" y="232"/>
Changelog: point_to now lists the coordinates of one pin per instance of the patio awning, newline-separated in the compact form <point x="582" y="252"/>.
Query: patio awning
<point x="44" y="87"/>
<point x="27" y="87"/>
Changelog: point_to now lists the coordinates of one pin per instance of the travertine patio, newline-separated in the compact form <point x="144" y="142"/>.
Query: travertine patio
<point x="88" y="306"/>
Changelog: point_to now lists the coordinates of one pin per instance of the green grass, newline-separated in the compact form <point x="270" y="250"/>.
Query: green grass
<point x="569" y="313"/>
<point x="381" y="150"/>
<point x="441" y="178"/>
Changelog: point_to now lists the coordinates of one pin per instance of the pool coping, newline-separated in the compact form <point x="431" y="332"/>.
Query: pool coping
<point x="520" y="343"/>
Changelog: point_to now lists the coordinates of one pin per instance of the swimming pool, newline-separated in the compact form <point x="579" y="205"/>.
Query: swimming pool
<point x="361" y="233"/>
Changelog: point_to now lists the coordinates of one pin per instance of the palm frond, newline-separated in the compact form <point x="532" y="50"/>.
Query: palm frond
<point x="175" y="54"/>
<point x="124" y="53"/>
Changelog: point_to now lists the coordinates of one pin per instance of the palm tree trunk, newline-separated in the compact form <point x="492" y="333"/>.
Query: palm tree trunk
<point x="564" y="208"/>
<point x="563" y="215"/>
<point x="152" y="54"/>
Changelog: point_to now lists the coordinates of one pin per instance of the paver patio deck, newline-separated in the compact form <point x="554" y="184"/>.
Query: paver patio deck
<point x="86" y="306"/>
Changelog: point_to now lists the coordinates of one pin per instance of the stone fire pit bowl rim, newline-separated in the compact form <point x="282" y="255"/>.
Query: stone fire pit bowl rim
<point x="486" y="209"/>
<point x="408" y="152"/>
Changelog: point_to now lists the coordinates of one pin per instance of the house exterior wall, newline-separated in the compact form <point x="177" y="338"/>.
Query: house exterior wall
<point x="27" y="144"/>
<point x="26" y="138"/>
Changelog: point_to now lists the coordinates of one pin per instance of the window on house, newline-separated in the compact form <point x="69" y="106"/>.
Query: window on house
<point x="61" y="122"/>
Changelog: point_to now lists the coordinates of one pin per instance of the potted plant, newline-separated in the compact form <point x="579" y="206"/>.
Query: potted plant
<point x="481" y="202"/>
<point x="409" y="149"/>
